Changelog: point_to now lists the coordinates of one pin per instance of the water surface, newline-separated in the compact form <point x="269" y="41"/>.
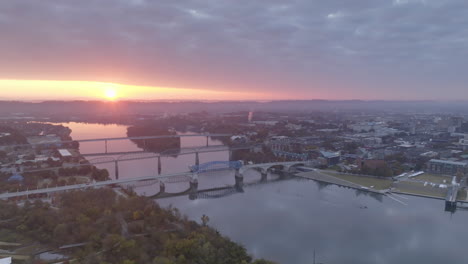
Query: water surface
<point x="286" y="220"/>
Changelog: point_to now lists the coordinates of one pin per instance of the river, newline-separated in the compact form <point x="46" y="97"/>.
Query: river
<point x="285" y="221"/>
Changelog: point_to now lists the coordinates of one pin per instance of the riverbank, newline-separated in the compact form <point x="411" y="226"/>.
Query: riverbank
<point x="131" y="229"/>
<point x="381" y="185"/>
<point x="322" y="177"/>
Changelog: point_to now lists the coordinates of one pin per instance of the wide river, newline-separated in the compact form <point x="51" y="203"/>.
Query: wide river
<point x="286" y="221"/>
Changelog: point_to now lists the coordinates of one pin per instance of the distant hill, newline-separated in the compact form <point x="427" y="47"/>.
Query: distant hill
<point x="77" y="108"/>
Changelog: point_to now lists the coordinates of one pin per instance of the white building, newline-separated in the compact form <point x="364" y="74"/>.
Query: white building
<point x="266" y="123"/>
<point x="64" y="153"/>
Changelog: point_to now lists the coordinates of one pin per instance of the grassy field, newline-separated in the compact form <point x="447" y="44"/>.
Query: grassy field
<point x="439" y="179"/>
<point x="420" y="189"/>
<point x="461" y="195"/>
<point x="8" y="236"/>
<point x="375" y="183"/>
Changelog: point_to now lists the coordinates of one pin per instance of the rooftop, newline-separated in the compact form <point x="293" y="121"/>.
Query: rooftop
<point x="449" y="162"/>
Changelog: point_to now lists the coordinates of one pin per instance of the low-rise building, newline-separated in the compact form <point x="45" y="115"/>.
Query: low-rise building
<point x="332" y="158"/>
<point x="447" y="167"/>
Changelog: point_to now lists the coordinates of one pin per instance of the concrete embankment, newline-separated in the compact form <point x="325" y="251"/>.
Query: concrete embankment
<point x="318" y="176"/>
<point x="412" y="188"/>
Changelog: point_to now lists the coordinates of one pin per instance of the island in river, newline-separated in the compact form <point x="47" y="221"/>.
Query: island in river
<point x="155" y="145"/>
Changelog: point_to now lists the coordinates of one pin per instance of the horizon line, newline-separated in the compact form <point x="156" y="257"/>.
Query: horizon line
<point x="3" y="100"/>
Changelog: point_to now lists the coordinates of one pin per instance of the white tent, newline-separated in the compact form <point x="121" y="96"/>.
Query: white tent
<point x="5" y="261"/>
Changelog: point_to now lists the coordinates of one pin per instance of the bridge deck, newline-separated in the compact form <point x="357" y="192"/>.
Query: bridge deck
<point x="122" y="138"/>
<point x="118" y="181"/>
<point x="84" y="186"/>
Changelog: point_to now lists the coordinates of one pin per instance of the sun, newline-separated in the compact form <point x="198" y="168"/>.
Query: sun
<point x="110" y="94"/>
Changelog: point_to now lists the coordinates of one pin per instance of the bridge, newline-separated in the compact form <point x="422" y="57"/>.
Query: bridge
<point x="265" y="167"/>
<point x="191" y="176"/>
<point x="142" y="154"/>
<point x="106" y="140"/>
<point x="131" y="156"/>
<point x="216" y="165"/>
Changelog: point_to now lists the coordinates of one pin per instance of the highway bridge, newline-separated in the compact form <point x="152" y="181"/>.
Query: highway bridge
<point x="190" y="176"/>
<point x="131" y="156"/>
<point x="106" y="140"/>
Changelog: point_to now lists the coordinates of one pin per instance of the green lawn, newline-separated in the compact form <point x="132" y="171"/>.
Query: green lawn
<point x="461" y="195"/>
<point x="439" y="179"/>
<point x="420" y="189"/>
<point x="8" y="236"/>
<point x="378" y="184"/>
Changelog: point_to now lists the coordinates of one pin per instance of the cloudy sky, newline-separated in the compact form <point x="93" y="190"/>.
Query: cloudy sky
<point x="263" y="49"/>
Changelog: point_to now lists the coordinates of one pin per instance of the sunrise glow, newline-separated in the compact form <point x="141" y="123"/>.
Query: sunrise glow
<point x="110" y="94"/>
<point x="89" y="90"/>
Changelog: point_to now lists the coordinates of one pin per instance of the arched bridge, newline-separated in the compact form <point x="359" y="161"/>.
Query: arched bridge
<point x="191" y="176"/>
<point x="265" y="167"/>
<point x="106" y="140"/>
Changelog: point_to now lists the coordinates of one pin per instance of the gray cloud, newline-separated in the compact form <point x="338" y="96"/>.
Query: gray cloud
<point x="394" y="49"/>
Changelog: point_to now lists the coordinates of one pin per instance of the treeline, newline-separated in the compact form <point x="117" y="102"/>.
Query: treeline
<point x="121" y="230"/>
<point x="14" y="138"/>
<point x="61" y="177"/>
<point x="247" y="156"/>
<point x="154" y="145"/>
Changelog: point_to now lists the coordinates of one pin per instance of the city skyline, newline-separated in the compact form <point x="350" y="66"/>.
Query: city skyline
<point x="204" y="50"/>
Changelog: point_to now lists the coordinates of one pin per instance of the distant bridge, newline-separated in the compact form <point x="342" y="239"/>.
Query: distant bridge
<point x="141" y="155"/>
<point x="106" y="140"/>
<point x="182" y="176"/>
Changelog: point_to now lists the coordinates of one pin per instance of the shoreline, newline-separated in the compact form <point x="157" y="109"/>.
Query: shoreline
<point x="325" y="178"/>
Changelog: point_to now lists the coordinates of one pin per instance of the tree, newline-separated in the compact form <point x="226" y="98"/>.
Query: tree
<point x="205" y="219"/>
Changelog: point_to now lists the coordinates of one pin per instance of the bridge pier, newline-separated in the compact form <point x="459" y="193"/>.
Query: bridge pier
<point x="239" y="181"/>
<point x="207" y="141"/>
<point x="105" y="146"/>
<point x="264" y="176"/>
<point x="162" y="187"/>
<point x="159" y="165"/>
<point x="193" y="194"/>
<point x="230" y="155"/>
<point x="197" y="159"/>
<point x="116" y="169"/>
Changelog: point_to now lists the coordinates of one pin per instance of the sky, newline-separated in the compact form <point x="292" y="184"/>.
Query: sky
<point x="231" y="50"/>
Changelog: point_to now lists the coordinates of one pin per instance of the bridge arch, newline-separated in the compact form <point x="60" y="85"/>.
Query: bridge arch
<point x="295" y="165"/>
